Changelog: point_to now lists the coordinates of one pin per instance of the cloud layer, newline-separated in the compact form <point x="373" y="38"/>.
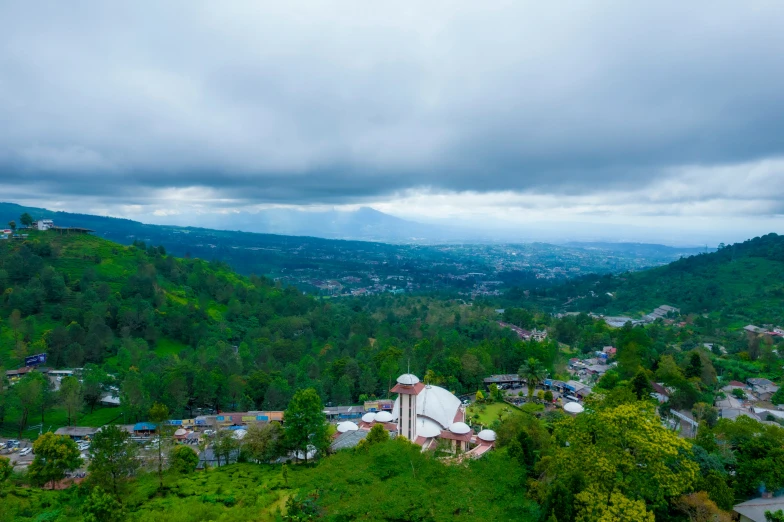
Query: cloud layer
<point x="605" y="108"/>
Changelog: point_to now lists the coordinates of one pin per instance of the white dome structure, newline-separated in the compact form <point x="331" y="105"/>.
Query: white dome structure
<point x="487" y="435"/>
<point x="346" y="426"/>
<point x="383" y="416"/>
<point x="240" y="434"/>
<point x="408" y="379"/>
<point x="573" y="407"/>
<point x="438" y="404"/>
<point x="459" y="428"/>
<point x="369" y="417"/>
<point x="180" y="432"/>
<point x="427" y="428"/>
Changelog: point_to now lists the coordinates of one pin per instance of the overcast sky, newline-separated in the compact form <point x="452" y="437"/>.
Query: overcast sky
<point x="667" y="117"/>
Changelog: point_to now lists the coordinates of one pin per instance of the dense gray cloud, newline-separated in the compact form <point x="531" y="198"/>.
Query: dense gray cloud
<point x="243" y="103"/>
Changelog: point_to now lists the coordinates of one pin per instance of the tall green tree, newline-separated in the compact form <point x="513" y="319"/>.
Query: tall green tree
<point x="113" y="458"/>
<point x="533" y="373"/>
<point x="305" y="425"/>
<point x="100" y="506"/>
<point x="54" y="456"/>
<point x="71" y="396"/>
<point x="5" y="469"/>
<point x="94" y="381"/>
<point x="625" y="449"/>
<point x="4" y="394"/>
<point x="694" y="369"/>
<point x="159" y="414"/>
<point x="264" y="443"/>
<point x="27" y="397"/>
<point x="26" y="219"/>
<point x="133" y="396"/>
<point x="641" y="385"/>
<point x="225" y="446"/>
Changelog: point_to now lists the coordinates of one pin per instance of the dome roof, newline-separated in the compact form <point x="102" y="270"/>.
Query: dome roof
<point x="408" y="379"/>
<point x="369" y="417"/>
<point x="438" y="404"/>
<point x="427" y="427"/>
<point x="180" y="432"/>
<point x="343" y="427"/>
<point x="240" y="434"/>
<point x="383" y="416"/>
<point x="487" y="435"/>
<point x="573" y="407"/>
<point x="459" y="428"/>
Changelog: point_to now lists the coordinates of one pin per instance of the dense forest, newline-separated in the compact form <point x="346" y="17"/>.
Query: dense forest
<point x="739" y="284"/>
<point x="194" y="334"/>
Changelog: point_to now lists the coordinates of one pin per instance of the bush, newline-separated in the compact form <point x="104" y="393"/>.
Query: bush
<point x="183" y="459"/>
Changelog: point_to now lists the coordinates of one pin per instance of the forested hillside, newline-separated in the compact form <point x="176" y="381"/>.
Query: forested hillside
<point x="194" y="334"/>
<point x="179" y="335"/>
<point x="742" y="283"/>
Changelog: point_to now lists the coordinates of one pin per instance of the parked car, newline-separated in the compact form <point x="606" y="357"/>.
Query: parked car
<point x="25" y="451"/>
<point x="13" y="443"/>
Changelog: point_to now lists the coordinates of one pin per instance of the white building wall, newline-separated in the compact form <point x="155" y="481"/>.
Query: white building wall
<point x="407" y="417"/>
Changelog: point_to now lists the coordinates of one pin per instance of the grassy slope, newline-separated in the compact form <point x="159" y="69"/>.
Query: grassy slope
<point x="491" y="412"/>
<point x="391" y="481"/>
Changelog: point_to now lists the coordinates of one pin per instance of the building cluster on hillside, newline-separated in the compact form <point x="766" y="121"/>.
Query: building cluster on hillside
<point x="571" y="389"/>
<point x="753" y="401"/>
<point x="525" y="335"/>
<point x="661" y="312"/>
<point x="769" y="329"/>
<point x="593" y="368"/>
<point x="427" y="415"/>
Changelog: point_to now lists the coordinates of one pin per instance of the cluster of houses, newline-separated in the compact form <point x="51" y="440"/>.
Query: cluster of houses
<point x="593" y="368"/>
<point x="42" y="225"/>
<point x="660" y="312"/>
<point x="525" y="335"/>
<point x="772" y="331"/>
<point x="571" y="389"/>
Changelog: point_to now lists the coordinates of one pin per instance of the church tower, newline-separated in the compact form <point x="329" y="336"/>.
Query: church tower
<point x="408" y="388"/>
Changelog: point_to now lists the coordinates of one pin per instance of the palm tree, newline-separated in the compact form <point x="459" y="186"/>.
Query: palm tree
<point x="533" y="373"/>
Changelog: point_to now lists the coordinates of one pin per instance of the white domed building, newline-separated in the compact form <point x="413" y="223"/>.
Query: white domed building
<point x="425" y="414"/>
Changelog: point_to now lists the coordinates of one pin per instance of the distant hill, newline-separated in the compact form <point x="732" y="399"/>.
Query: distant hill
<point x="647" y="250"/>
<point x="743" y="282"/>
<point x="363" y="224"/>
<point x="308" y="261"/>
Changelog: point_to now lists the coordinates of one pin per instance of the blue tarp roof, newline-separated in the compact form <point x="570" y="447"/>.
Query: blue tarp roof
<point x="144" y="426"/>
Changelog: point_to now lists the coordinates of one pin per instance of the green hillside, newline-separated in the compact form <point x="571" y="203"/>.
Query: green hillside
<point x="194" y="334"/>
<point x="741" y="283"/>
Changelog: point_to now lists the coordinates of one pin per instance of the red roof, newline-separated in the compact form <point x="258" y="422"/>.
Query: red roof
<point x="408" y="390"/>
<point x="736" y="383"/>
<point x="446" y="434"/>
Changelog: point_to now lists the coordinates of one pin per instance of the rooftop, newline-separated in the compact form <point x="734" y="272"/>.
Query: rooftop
<point x="76" y="431"/>
<point x="755" y="509"/>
